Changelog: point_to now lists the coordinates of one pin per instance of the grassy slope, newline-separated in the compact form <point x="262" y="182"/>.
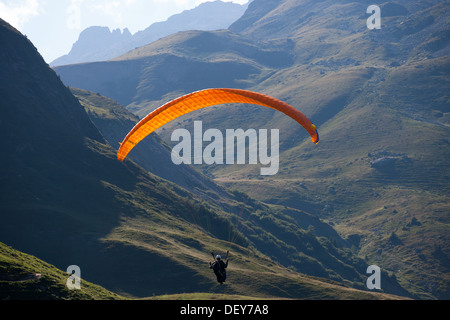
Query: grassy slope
<point x="337" y="177"/>
<point x="165" y="237"/>
<point x="25" y="277"/>
<point x="370" y="98"/>
<point x="373" y="94"/>
<point x="397" y="111"/>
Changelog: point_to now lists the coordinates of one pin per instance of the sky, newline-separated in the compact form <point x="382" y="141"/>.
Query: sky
<point x="54" y="25"/>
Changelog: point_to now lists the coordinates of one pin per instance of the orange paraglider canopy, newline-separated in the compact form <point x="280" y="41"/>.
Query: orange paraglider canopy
<point x="202" y="99"/>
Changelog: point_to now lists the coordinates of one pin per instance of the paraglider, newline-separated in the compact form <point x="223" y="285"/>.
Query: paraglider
<point x="206" y="98"/>
<point x="219" y="267"/>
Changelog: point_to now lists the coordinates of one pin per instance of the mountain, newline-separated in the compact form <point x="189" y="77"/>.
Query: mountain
<point x="63" y="191"/>
<point x="379" y="98"/>
<point x="67" y="200"/>
<point x="114" y="122"/>
<point x="100" y="43"/>
<point x="96" y="43"/>
<point x="180" y="63"/>
<point x="380" y="174"/>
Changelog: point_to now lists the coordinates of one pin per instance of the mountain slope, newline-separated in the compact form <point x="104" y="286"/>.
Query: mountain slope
<point x="114" y="122"/>
<point x="66" y="199"/>
<point x="379" y="98"/>
<point x="24" y="277"/>
<point x="273" y="230"/>
<point x="62" y="187"/>
<point x="177" y="64"/>
<point x="384" y="147"/>
<point x="101" y="44"/>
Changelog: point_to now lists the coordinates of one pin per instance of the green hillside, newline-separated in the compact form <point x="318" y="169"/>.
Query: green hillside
<point x="391" y="105"/>
<point x="380" y="174"/>
<point x="272" y="230"/>
<point x="114" y="122"/>
<point x="25" y="277"/>
<point x="66" y="200"/>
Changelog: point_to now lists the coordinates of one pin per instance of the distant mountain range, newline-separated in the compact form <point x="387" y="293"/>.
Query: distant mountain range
<point x="98" y="43"/>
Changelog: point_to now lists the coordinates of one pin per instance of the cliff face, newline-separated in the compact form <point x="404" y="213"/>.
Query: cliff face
<point x="96" y="44"/>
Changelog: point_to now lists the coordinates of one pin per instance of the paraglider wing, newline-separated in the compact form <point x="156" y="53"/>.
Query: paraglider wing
<point x="202" y="99"/>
